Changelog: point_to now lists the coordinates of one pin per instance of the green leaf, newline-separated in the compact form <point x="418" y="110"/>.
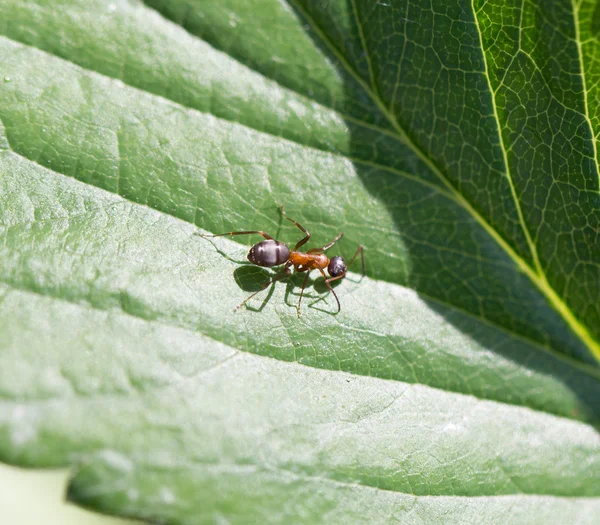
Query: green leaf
<point x="457" y="142"/>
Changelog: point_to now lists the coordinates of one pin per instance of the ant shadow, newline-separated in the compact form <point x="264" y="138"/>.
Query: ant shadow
<point x="223" y="254"/>
<point x="253" y="279"/>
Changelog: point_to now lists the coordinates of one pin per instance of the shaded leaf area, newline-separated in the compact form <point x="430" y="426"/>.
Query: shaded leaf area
<point x="587" y="33"/>
<point x="547" y="133"/>
<point x="221" y="175"/>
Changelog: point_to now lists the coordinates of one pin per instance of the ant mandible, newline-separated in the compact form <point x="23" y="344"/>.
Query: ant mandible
<point x="274" y="253"/>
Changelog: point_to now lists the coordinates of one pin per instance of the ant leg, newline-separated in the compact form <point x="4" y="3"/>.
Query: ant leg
<point x="304" y="230"/>
<point x="327" y="246"/>
<point x="261" y="233"/>
<point x="362" y="257"/>
<point x="330" y="288"/>
<point x="302" y="292"/>
<point x="331" y="279"/>
<point x="286" y="272"/>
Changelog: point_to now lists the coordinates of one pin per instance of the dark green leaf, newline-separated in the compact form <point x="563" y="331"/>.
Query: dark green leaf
<point x="455" y="141"/>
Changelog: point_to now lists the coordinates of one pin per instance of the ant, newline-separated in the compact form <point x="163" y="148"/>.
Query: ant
<point x="274" y="253"/>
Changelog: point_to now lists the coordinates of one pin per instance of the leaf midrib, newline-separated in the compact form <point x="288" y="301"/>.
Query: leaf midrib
<point x="537" y="276"/>
<point x="578" y="44"/>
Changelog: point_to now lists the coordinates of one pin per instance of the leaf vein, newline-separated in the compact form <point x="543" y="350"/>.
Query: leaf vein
<point x="578" y="44"/>
<point x="536" y="278"/>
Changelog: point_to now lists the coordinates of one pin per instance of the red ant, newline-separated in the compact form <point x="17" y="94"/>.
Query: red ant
<point x="273" y="253"/>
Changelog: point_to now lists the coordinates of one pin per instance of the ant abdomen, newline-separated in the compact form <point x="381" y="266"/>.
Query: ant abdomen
<point x="269" y="253"/>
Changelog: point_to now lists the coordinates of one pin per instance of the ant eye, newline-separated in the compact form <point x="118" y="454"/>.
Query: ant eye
<point x="337" y="266"/>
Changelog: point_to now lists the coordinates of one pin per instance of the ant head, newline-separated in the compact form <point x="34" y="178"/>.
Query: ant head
<point x="337" y="266"/>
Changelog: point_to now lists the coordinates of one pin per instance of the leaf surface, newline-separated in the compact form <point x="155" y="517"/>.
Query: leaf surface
<point x="456" y="142"/>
